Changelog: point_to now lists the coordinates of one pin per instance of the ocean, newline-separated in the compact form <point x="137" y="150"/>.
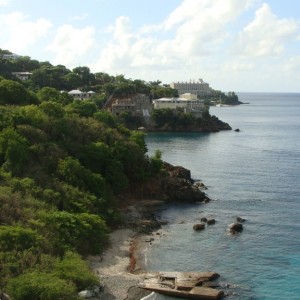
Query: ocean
<point x="254" y="174"/>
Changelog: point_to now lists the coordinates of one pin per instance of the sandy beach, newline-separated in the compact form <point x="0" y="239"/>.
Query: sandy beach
<point x="118" y="269"/>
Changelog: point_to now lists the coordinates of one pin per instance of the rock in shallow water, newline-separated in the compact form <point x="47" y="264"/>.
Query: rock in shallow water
<point x="198" y="227"/>
<point x="235" y="228"/>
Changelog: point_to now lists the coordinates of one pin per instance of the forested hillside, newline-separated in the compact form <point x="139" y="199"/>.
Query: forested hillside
<point x="62" y="163"/>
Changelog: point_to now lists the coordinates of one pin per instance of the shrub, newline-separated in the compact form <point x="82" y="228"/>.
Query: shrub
<point x="18" y="238"/>
<point x="40" y="286"/>
<point x="73" y="268"/>
<point x="84" y="232"/>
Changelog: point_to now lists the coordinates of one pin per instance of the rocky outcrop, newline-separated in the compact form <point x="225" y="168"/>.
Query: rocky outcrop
<point x="174" y="183"/>
<point x="179" y="186"/>
<point x="178" y="172"/>
<point x="181" y="190"/>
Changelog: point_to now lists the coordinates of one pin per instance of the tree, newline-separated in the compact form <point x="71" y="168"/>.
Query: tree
<point x="52" y="109"/>
<point x="84" y="232"/>
<point x="72" y="81"/>
<point x="48" y="94"/>
<point x="12" y="93"/>
<point x="86" y="76"/>
<point x="85" y="108"/>
<point x="13" y="150"/>
<point x="102" y="77"/>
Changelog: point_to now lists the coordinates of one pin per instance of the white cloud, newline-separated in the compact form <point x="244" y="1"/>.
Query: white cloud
<point x="20" y="32"/>
<point x="266" y="35"/>
<point x="4" y="2"/>
<point x="79" y="18"/>
<point x="193" y="30"/>
<point x="71" y="43"/>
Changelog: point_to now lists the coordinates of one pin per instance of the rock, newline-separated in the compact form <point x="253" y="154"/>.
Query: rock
<point x="198" y="227"/>
<point x="240" y="220"/>
<point x="211" y="221"/>
<point x="178" y="172"/>
<point x="200" y="185"/>
<point x="237" y="130"/>
<point x="180" y="189"/>
<point x="235" y="228"/>
<point x="203" y="220"/>
<point x="4" y="296"/>
<point x="206" y="200"/>
<point x="93" y="292"/>
<point x="86" y="294"/>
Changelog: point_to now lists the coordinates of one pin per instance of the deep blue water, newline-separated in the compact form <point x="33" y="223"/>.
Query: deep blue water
<point x="253" y="174"/>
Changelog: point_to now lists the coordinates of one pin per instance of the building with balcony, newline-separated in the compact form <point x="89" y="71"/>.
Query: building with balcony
<point x="199" y="88"/>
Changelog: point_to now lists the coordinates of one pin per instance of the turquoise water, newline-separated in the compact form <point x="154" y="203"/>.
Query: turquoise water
<point x="253" y="174"/>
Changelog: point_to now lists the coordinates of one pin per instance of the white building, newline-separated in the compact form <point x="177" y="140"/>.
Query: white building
<point x="200" y="88"/>
<point x="22" y="75"/>
<point x="77" y="94"/>
<point x="193" y="106"/>
<point x="10" y="56"/>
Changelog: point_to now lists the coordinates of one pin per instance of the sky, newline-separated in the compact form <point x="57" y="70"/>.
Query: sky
<point x="234" y="45"/>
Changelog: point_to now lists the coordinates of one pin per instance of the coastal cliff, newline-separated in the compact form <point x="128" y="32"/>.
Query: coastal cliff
<point x="169" y="121"/>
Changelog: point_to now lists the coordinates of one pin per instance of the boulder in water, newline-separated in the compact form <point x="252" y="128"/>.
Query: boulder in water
<point x="198" y="227"/>
<point x="211" y="221"/>
<point x="235" y="228"/>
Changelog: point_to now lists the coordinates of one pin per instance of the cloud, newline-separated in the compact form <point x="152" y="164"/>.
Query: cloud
<point x="71" y="43"/>
<point x="79" y="18"/>
<point x="192" y="31"/>
<point x="266" y="35"/>
<point x="4" y="2"/>
<point x="20" y="32"/>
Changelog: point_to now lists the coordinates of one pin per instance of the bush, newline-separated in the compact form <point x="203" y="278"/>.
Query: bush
<point x="18" y="238"/>
<point x="40" y="286"/>
<point x="84" y="232"/>
<point x="73" y="268"/>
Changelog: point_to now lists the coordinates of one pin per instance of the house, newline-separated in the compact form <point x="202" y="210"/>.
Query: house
<point x="11" y="56"/>
<point x="77" y="94"/>
<point x="22" y="75"/>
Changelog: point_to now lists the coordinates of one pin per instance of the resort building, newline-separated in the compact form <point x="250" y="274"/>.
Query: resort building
<point x="200" y="88"/>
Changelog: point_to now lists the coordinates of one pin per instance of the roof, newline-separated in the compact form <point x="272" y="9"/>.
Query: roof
<point x="75" y="92"/>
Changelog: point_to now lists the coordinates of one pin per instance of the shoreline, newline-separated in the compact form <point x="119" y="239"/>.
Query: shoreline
<point x="121" y="266"/>
<point x="113" y="267"/>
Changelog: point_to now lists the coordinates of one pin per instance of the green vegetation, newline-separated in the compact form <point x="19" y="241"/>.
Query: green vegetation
<point x="62" y="164"/>
<point x="219" y="97"/>
<point x="169" y="120"/>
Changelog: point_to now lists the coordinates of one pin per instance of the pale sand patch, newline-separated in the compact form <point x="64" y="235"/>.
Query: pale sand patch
<point x="112" y="268"/>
